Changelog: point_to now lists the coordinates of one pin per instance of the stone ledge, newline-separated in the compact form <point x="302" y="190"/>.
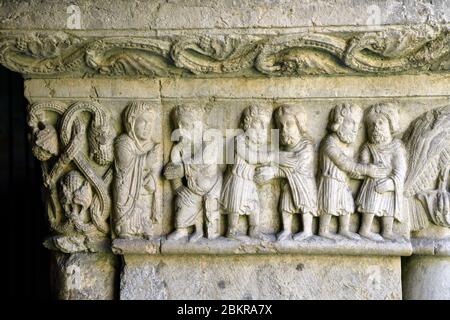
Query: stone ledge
<point x="77" y="244"/>
<point x="223" y="246"/>
<point x="272" y="276"/>
<point x="431" y="247"/>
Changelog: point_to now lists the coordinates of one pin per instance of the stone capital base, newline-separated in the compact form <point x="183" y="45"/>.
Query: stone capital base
<point x="260" y="277"/>
<point x="84" y="276"/>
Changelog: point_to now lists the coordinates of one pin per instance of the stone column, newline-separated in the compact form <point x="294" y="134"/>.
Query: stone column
<point x="161" y="182"/>
<point x="426" y="274"/>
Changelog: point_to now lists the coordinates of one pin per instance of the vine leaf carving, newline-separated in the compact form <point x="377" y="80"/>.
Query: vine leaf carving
<point x="428" y="144"/>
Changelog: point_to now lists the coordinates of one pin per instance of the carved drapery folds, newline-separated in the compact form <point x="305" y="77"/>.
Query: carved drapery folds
<point x="102" y="173"/>
<point x="102" y="183"/>
<point x="388" y="51"/>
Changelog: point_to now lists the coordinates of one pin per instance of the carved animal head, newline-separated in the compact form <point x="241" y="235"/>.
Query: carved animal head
<point x="100" y="139"/>
<point x="344" y="120"/>
<point x="45" y="142"/>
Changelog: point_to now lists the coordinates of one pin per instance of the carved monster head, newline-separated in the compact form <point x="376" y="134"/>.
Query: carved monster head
<point x="344" y="120"/>
<point x="138" y="119"/>
<point x="100" y="139"/>
<point x="291" y="121"/>
<point x="255" y="122"/>
<point x="45" y="142"/>
<point x="76" y="195"/>
<point x="381" y="122"/>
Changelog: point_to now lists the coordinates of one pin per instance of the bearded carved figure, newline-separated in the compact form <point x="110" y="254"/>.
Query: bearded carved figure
<point x="134" y="182"/>
<point x="296" y="169"/>
<point x="382" y="197"/>
<point x="196" y="159"/>
<point x="336" y="166"/>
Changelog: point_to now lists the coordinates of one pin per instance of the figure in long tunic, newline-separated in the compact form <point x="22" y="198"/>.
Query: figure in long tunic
<point x="336" y="166"/>
<point x="295" y="168"/>
<point x="239" y="194"/>
<point x="134" y="182"/>
<point x="196" y="158"/>
<point x="382" y="197"/>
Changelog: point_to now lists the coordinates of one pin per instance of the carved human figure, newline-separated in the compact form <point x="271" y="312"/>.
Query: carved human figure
<point x="336" y="166"/>
<point x="296" y="169"/>
<point x="239" y="194"/>
<point x="382" y="197"/>
<point x="196" y="159"/>
<point x="134" y="182"/>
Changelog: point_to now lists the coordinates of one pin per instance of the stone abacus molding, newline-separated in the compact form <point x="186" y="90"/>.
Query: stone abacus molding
<point x="390" y="50"/>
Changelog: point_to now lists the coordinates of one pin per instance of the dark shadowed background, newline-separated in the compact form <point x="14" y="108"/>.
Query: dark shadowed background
<point x="23" y="223"/>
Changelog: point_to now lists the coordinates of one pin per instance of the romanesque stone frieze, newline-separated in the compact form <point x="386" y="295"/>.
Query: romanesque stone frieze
<point x="103" y="183"/>
<point x="390" y="50"/>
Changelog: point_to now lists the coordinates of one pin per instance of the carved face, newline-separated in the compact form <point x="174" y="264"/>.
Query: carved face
<point x="348" y="129"/>
<point x="289" y="130"/>
<point x="379" y="130"/>
<point x="190" y="128"/>
<point x="143" y="126"/>
<point x="257" y="131"/>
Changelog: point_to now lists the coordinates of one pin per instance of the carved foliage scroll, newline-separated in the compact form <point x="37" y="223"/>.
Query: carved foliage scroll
<point x="391" y="50"/>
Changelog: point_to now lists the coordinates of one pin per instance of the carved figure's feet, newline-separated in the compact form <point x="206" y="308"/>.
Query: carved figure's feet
<point x="350" y="235"/>
<point x="329" y="235"/>
<point x="284" y="235"/>
<point x="371" y="236"/>
<point x="177" y="235"/>
<point x="390" y="236"/>
<point x="236" y="235"/>
<point x="256" y="234"/>
<point x="197" y="235"/>
<point x="302" y="236"/>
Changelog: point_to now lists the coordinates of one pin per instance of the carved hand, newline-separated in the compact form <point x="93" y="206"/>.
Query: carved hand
<point x="385" y="185"/>
<point x="173" y="171"/>
<point x="264" y="174"/>
<point x="377" y="171"/>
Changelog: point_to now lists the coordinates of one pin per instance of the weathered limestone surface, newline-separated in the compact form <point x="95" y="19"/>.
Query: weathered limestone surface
<point x="133" y="108"/>
<point x="221" y="14"/>
<point x="260" y="277"/>
<point x="426" y="277"/>
<point x="84" y="276"/>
